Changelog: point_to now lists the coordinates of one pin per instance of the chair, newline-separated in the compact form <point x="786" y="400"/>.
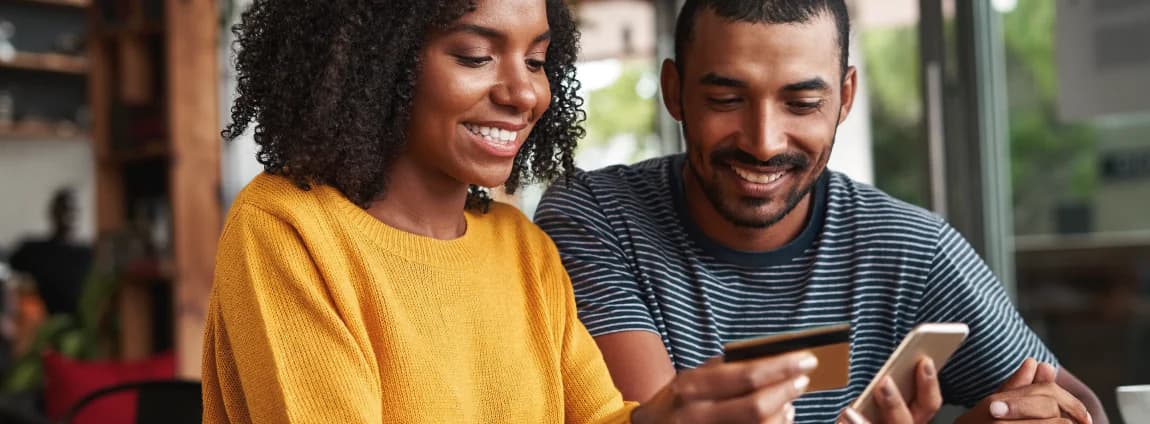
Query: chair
<point x="160" y="401"/>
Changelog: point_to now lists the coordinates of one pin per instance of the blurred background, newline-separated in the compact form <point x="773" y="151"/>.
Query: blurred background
<point x="1026" y="123"/>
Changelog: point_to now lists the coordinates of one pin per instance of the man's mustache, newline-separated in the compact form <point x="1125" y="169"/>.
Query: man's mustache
<point x="794" y="161"/>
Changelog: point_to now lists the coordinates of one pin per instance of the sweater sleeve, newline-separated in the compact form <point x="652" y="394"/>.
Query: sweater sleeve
<point x="275" y="347"/>
<point x="589" y="394"/>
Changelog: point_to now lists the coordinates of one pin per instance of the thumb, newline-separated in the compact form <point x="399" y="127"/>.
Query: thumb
<point x="1023" y="377"/>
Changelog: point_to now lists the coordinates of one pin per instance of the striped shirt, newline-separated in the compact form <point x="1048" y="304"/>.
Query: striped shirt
<point x="638" y="263"/>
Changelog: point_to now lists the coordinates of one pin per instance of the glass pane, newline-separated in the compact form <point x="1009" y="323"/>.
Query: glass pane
<point x="887" y="47"/>
<point x="618" y="71"/>
<point x="621" y="103"/>
<point x="1081" y="180"/>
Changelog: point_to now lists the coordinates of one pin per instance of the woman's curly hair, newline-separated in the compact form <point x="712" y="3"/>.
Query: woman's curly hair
<point x="328" y="87"/>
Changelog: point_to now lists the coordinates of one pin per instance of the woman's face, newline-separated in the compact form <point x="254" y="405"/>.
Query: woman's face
<point x="480" y="91"/>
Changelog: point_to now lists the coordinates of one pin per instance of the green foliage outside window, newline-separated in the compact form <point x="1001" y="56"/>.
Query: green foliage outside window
<point x="1051" y="162"/>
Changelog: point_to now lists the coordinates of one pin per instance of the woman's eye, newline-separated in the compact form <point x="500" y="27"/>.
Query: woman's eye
<point x="473" y="61"/>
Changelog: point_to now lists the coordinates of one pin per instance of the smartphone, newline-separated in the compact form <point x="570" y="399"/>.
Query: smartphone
<point x="936" y="341"/>
<point x="830" y="344"/>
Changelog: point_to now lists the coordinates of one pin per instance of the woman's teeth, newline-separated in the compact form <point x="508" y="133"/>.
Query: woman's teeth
<point x="758" y="177"/>
<point x="493" y="134"/>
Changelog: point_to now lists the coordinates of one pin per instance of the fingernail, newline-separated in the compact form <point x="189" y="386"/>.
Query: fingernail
<point x="809" y="362"/>
<point x="998" y="409"/>
<point x="887" y="388"/>
<point x="802" y="382"/>
<point x="790" y="413"/>
<point x="853" y="417"/>
<point x="1089" y="418"/>
<point x="929" y="368"/>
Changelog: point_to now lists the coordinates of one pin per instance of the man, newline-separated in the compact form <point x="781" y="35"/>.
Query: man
<point x="748" y="234"/>
<point x="58" y="264"/>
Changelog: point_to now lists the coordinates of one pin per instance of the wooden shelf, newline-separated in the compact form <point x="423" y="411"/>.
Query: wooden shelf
<point x="1088" y="241"/>
<point x="22" y="132"/>
<point x="148" y="151"/>
<point x="67" y="3"/>
<point x="127" y="30"/>
<point x="48" y="62"/>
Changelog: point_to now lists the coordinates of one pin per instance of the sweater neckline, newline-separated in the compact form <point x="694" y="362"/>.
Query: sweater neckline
<point x="465" y="250"/>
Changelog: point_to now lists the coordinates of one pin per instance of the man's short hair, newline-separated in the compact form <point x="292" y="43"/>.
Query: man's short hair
<point x="763" y="12"/>
<point x="62" y="200"/>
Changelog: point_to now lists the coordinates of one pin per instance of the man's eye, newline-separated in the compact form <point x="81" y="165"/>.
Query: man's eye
<point x="723" y="100"/>
<point x="805" y="107"/>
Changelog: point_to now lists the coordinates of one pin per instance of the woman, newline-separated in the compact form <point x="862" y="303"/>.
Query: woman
<point x="365" y="278"/>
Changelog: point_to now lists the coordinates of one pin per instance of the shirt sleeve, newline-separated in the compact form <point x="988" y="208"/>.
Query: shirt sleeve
<point x="19" y="259"/>
<point x="962" y="288"/>
<point x="275" y="349"/>
<point x="607" y="291"/>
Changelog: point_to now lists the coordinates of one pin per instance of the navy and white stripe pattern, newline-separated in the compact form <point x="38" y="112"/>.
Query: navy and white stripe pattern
<point x="638" y="263"/>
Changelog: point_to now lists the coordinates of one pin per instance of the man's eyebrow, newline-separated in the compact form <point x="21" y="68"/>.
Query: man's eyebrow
<point x="813" y="84"/>
<point x="712" y="78"/>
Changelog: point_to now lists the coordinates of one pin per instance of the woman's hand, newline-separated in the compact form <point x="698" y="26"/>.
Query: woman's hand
<point x="755" y="391"/>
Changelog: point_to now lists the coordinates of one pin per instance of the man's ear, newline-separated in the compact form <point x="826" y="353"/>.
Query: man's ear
<point x="850" y="85"/>
<point x="669" y="79"/>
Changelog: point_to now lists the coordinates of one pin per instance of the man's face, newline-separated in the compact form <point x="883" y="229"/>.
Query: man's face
<point x="759" y="105"/>
<point x="63" y="214"/>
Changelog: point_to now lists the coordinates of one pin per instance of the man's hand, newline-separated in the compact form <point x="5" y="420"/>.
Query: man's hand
<point x="757" y="391"/>
<point x="1030" y="396"/>
<point x="893" y="409"/>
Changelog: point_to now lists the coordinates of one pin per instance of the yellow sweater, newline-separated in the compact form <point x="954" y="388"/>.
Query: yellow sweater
<point x="322" y="314"/>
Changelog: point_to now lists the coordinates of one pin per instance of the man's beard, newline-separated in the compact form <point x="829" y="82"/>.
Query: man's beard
<point x="798" y="165"/>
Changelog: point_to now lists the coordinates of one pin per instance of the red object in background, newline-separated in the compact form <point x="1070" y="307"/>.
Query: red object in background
<point x="30" y="315"/>
<point x="66" y="381"/>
